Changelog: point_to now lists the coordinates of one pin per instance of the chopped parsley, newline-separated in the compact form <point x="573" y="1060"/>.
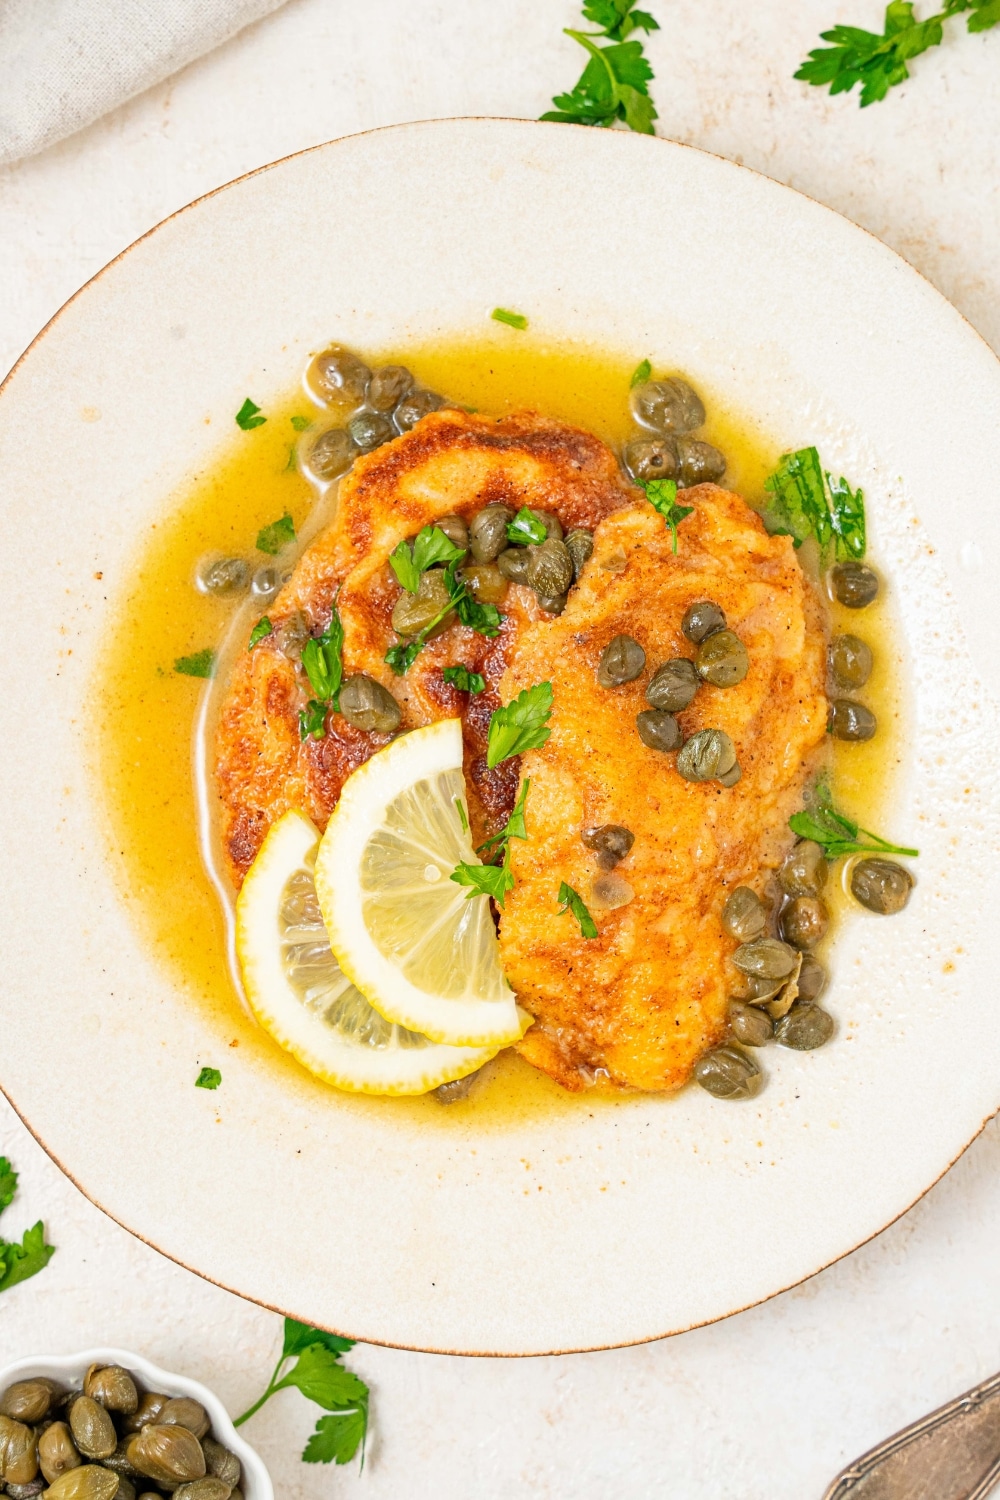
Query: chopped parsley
<point x="261" y="630"/>
<point x="462" y="815"/>
<point x="463" y="678"/>
<point x="20" y="1259"/>
<point x="484" y="618"/>
<point x="430" y="546"/>
<point x="512" y="319"/>
<point x="199" y="664"/>
<point x="323" y="664"/>
<point x="248" y="417"/>
<point x="301" y="424"/>
<point x="571" y="901"/>
<point x="321" y="1377"/>
<point x="837" y="834"/>
<point x="208" y="1078"/>
<point x="520" y="725"/>
<point x="312" y="720"/>
<point x="615" y="83"/>
<point x="526" y="528"/>
<point x="495" y="879"/>
<point x="272" y="538"/>
<point x="662" y="496"/>
<point x="641" y="374"/>
<point x="808" y="503"/>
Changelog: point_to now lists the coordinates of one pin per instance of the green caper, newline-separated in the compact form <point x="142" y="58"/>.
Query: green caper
<point x="93" y="1430"/>
<point x="700" y="463"/>
<point x="27" y="1491"/>
<point x="609" y="841"/>
<point x="369" y="430"/>
<point x="224" y="575"/>
<point x="744" y="915"/>
<point x="850" y="661"/>
<point x="331" y="454"/>
<point x="766" y="958"/>
<point x="113" y="1387"/>
<point x="366" y="704"/>
<point x="151" y="1403"/>
<point x="219" y="1462"/>
<point x="18" y="1452"/>
<point x="168" y="1453"/>
<point x="458" y="1089"/>
<point x="728" y="1073"/>
<point x="338" y="375"/>
<point x="673" y="685"/>
<point x="485" y="582"/>
<point x="415" y="405"/>
<point x="488" y="532"/>
<point x="655" y="459"/>
<point x="388" y="386"/>
<point x="29" y="1400"/>
<point x="291" y="634"/>
<point x="455" y="529"/>
<point x="722" y="659"/>
<point x="804" y="921"/>
<point x="622" y="660"/>
<point x="414" y="612"/>
<point x="761" y="991"/>
<point x="804" y="1027"/>
<point x="552" y="604"/>
<point x="550" y="568"/>
<point x="208" y="1488"/>
<point x="126" y="1489"/>
<point x="579" y="544"/>
<point x="668" y="406"/>
<point x="812" y="978"/>
<point x="119" y="1461"/>
<point x="89" y="1483"/>
<point x="57" y="1452"/>
<point x="881" y="885"/>
<point x="804" y="871"/>
<point x="513" y="564"/>
<point x="730" y="777"/>
<point x="702" y="620"/>
<point x="854" y="584"/>
<point x="706" y="756"/>
<point x="659" y="730"/>
<point x="749" y="1024"/>
<point x="851" y="721"/>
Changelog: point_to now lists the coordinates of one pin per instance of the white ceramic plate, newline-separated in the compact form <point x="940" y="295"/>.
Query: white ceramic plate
<point x="598" y="1227"/>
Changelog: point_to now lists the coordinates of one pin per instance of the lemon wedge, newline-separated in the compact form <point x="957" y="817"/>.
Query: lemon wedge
<point x="400" y="927"/>
<point x="300" y="995"/>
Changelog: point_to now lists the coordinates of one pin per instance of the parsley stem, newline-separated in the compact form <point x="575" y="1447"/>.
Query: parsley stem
<point x="271" y="1388"/>
<point x="583" y="38"/>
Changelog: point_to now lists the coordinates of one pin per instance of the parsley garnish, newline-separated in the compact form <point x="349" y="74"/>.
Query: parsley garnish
<point x="320" y="1376"/>
<point x="463" y="678"/>
<point x="19" y="1260"/>
<point x="312" y="720"/>
<point x="571" y="901"/>
<point x="615" y="83"/>
<point x="208" y="1078"/>
<point x="402" y="656"/>
<point x="837" y="834"/>
<point x="808" y="503"/>
<point x="261" y="630"/>
<point x="641" y="374"/>
<point x="199" y="664"/>
<point x="878" y="61"/>
<point x="495" y="879"/>
<point x="8" y="1183"/>
<point x="512" y="319"/>
<point x="248" y="417"/>
<point x="521" y="725"/>
<point x="526" y="528"/>
<point x="430" y="546"/>
<point x="278" y="534"/>
<point x="662" y="496"/>
<point x="323" y="664"/>
<point x="301" y="424"/>
<point x="484" y="618"/>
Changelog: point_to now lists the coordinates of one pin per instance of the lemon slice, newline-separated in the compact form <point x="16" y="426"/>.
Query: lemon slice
<point x="300" y="995"/>
<point x="401" y="929"/>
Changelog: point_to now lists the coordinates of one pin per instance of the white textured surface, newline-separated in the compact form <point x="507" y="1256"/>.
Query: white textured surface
<point x="769" y="1403"/>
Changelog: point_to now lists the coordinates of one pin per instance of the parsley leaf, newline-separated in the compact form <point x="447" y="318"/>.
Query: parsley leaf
<point x="320" y="1376"/>
<point x="260" y="632"/>
<point x="521" y="725"/>
<point x="312" y="720"/>
<point x="485" y="618"/>
<point x="208" y="1078"/>
<point x="837" y="834"/>
<point x="641" y="373"/>
<point x="809" y="503"/>
<point x="430" y="546"/>
<point x="495" y="879"/>
<point x="8" y="1183"/>
<point x="462" y="816"/>
<point x="338" y="1436"/>
<point x="463" y="678"/>
<point x="512" y="319"/>
<point x="271" y="539"/>
<point x="19" y="1261"/>
<point x="299" y="1336"/>
<point x="571" y="901"/>
<point x="322" y="661"/>
<point x="200" y="664"/>
<point x="301" y="424"/>
<point x="615" y="83"/>
<point x="402" y="656"/>
<point x="248" y="417"/>
<point x="662" y="496"/>
<point x="526" y="528"/>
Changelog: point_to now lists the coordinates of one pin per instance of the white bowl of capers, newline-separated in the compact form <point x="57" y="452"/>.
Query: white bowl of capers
<point x="108" y="1425"/>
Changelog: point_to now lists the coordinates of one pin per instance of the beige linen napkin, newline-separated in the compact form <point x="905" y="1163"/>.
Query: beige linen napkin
<point x="64" y="63"/>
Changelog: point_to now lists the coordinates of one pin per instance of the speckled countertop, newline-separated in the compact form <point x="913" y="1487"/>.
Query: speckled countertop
<point x="765" y="1406"/>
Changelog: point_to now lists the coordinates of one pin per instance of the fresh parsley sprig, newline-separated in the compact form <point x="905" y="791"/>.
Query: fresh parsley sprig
<point x="520" y="725"/>
<point x="483" y="618"/>
<point x="838" y="834"/>
<point x="615" y="83"/>
<point x="430" y="546"/>
<point x="323" y="664"/>
<point x="810" y="503"/>
<point x="571" y="901"/>
<point x="878" y="60"/>
<point x="23" y="1259"/>
<point x="320" y="1376"/>
<point x="662" y="496"/>
<point x="495" y="879"/>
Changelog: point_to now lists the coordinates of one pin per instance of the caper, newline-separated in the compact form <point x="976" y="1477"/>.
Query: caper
<point x="804" y="921"/>
<point x="580" y="545"/>
<point x="706" y="756"/>
<point x="168" y="1453"/>
<point x="722" y="659"/>
<point x="57" y="1451"/>
<point x="760" y="991"/>
<point x="673" y="685"/>
<point x="338" y="375"/>
<point x="369" y="430"/>
<point x="730" y="777"/>
<point x="513" y="564"/>
<point x="18" y="1452"/>
<point x="455" y="530"/>
<point x="812" y="978"/>
<point x="804" y="870"/>
<point x="459" y="1088"/>
<point x="700" y="463"/>
<point x="414" y="612"/>
<point x="265" y="583"/>
<point x="669" y="405"/>
<point x="488" y="532"/>
<point x="854" y="584"/>
<point x="219" y="1462"/>
<point x="651" y="459"/>
<point x="788" y="992"/>
<point x="850" y="661"/>
<point x="208" y="1488"/>
<point x="113" y="1387"/>
<point x="766" y="958"/>
<point x="552" y="604"/>
<point x="552" y="524"/>
<point x="659" y="730"/>
<point x="744" y="916"/>
<point x="29" y="1400"/>
<point x="881" y="885"/>
<point x="366" y="704"/>
<point x="331" y="454"/>
<point x="806" y="1026"/>
<point x="388" y="386"/>
<point x="126" y="1488"/>
<point x="414" y="406"/>
<point x="608" y="892"/>
<point x="702" y="620"/>
<point x="89" y="1483"/>
<point x="851" y="721"/>
<point x="622" y="660"/>
<point x="485" y="582"/>
<point x="291" y="635"/>
<point x="93" y="1430"/>
<point x="120" y="1461"/>
<point x="26" y="1491"/>
<point x="749" y="1024"/>
<point x="550" y="568"/>
<point x="609" y="841"/>
<point x="728" y="1073"/>
<point x="224" y="575"/>
<point x="151" y="1403"/>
